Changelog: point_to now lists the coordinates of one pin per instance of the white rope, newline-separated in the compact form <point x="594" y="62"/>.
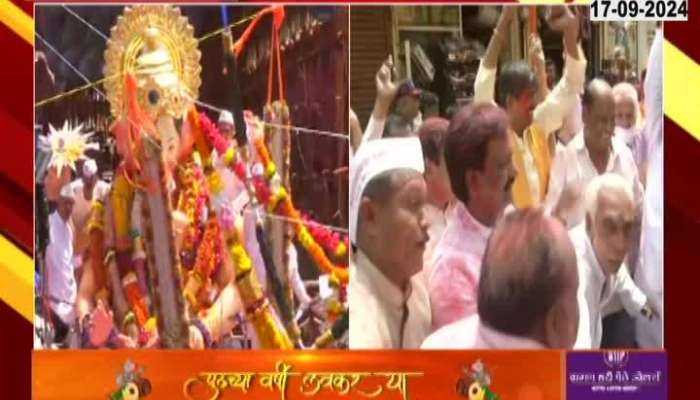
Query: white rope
<point x="68" y="63"/>
<point x="287" y="219"/>
<point x="308" y="130"/>
<point x="298" y="129"/>
<point x="97" y="31"/>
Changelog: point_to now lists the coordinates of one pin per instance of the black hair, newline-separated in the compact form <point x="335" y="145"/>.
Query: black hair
<point x="515" y="77"/>
<point x="466" y="145"/>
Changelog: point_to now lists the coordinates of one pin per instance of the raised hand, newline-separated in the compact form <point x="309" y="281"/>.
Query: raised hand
<point x="386" y="87"/>
<point x="563" y="19"/>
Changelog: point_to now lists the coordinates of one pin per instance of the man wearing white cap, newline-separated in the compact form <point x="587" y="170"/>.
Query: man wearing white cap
<point x="85" y="190"/>
<point x="234" y="196"/>
<point x="226" y="124"/>
<point x="389" y="306"/>
<point x="61" y="286"/>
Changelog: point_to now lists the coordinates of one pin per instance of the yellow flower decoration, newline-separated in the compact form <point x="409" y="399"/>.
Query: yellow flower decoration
<point x="275" y="200"/>
<point x="230" y="156"/>
<point x="241" y="259"/>
<point x="341" y="250"/>
<point x="271" y="170"/>
<point x="216" y="185"/>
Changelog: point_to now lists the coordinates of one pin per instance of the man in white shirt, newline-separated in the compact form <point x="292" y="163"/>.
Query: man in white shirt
<point x="650" y="270"/>
<point x="85" y="191"/>
<point x="61" y="286"/>
<point x="225" y="124"/>
<point x="531" y="123"/>
<point x="389" y="306"/>
<point x="527" y="289"/>
<point x="602" y="243"/>
<point x="234" y="196"/>
<point x="479" y="159"/>
<point x="593" y="152"/>
<point x="441" y="200"/>
<point x="627" y="127"/>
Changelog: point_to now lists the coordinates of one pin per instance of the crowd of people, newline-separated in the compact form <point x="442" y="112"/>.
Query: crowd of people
<point x="531" y="218"/>
<point x="87" y="307"/>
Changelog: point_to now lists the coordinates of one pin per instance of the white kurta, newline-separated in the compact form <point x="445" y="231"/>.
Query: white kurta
<point x="573" y="168"/>
<point x="596" y="291"/>
<point x="381" y="315"/>
<point x="650" y="270"/>
<point x="234" y="195"/>
<point x="471" y="333"/>
<point x="62" y="288"/>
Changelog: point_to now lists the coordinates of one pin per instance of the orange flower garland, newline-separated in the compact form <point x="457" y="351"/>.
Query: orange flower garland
<point x="281" y="202"/>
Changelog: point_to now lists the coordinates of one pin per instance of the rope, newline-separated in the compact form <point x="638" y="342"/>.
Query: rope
<point x="300" y="129"/>
<point x="68" y="63"/>
<point x="297" y="129"/>
<point x="71" y="12"/>
<point x="287" y="219"/>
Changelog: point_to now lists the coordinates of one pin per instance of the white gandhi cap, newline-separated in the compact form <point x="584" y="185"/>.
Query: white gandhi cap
<point x="226" y="117"/>
<point x="89" y="168"/>
<point x="375" y="157"/>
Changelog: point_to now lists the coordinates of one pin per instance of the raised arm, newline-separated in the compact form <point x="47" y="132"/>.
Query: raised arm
<point x="386" y="92"/>
<point x="549" y="114"/>
<point x="485" y="82"/>
<point x="537" y="63"/>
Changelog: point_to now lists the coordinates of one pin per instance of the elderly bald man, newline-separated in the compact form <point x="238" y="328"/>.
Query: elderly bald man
<point x="602" y="244"/>
<point x="527" y="290"/>
<point x="597" y="151"/>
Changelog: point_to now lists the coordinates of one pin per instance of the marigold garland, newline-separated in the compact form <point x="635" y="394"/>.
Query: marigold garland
<point x="193" y="200"/>
<point x="329" y="240"/>
<point x="276" y="200"/>
<point x="281" y="203"/>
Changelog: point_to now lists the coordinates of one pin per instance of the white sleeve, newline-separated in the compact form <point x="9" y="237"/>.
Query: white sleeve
<point x="557" y="180"/>
<point x="633" y="299"/>
<point x="253" y="247"/>
<point x="295" y="279"/>
<point x="584" y="339"/>
<point x="52" y="254"/>
<point x="484" y="84"/>
<point x="374" y="129"/>
<point x="549" y="114"/>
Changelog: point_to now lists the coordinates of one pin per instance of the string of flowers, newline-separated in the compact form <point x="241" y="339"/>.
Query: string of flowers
<point x="193" y="201"/>
<point x="264" y="193"/>
<point x="280" y="202"/>
<point x="331" y="241"/>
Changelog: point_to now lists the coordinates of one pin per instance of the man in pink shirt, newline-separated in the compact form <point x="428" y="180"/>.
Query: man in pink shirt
<point x="478" y="156"/>
<point x="527" y="290"/>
